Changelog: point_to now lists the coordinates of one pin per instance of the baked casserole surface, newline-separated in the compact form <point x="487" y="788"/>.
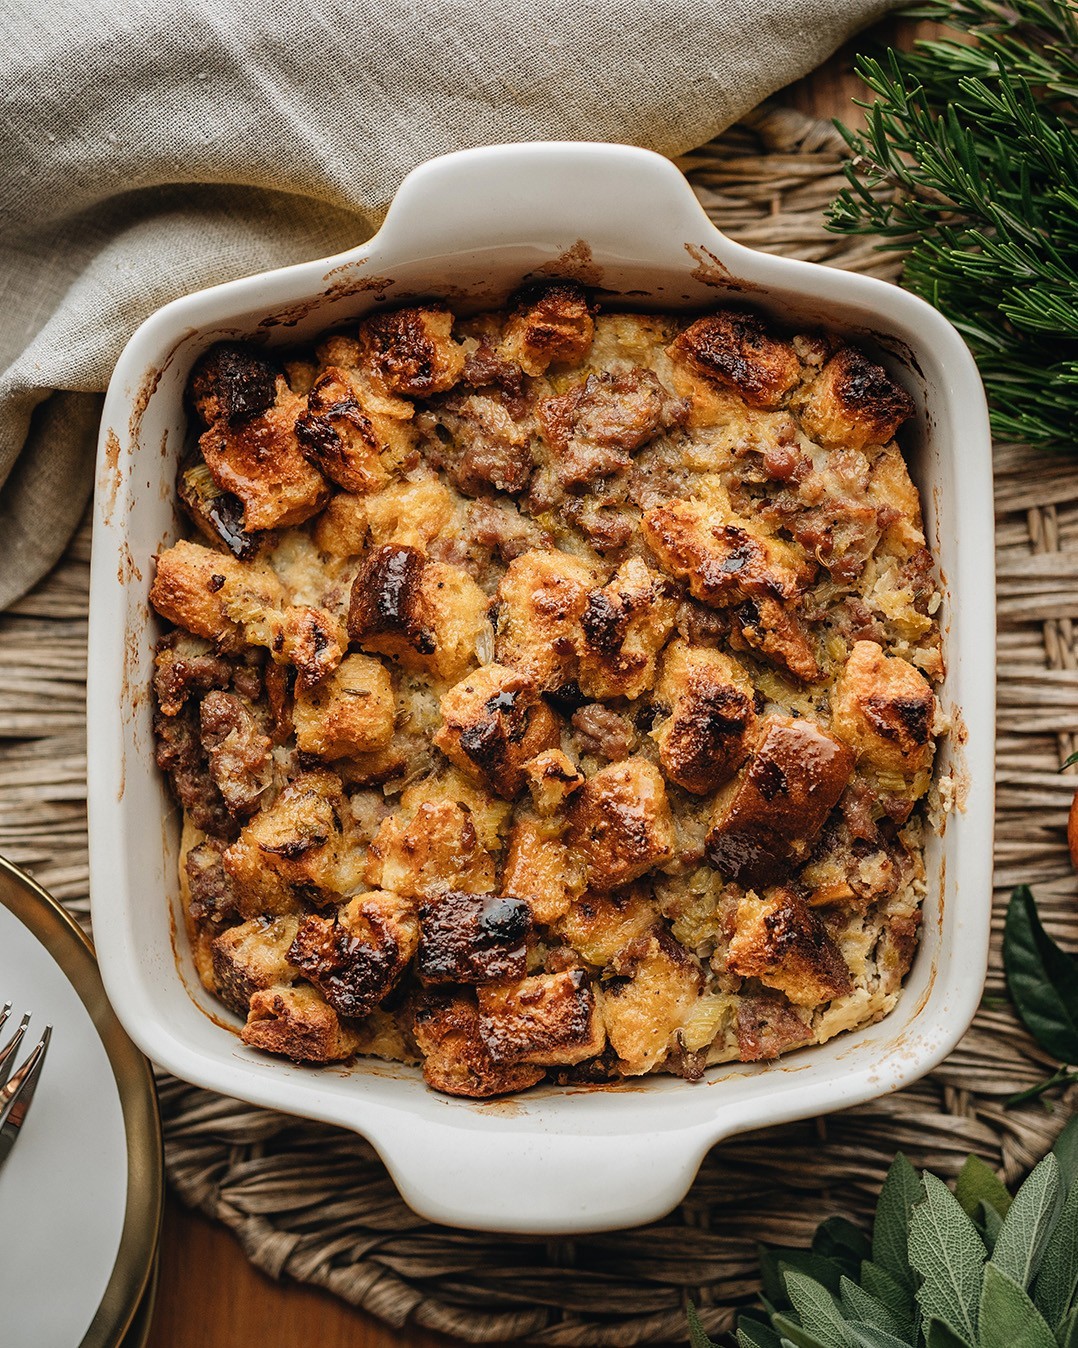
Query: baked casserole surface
<point x="549" y="693"/>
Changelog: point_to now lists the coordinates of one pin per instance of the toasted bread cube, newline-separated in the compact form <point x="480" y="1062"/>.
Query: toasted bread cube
<point x="709" y="732"/>
<point x="232" y="382"/>
<point x="251" y="956"/>
<point x="548" y="1020"/>
<point x="356" y="959"/>
<point x="292" y="848"/>
<point x="621" y="823"/>
<point x="766" y="818"/>
<point x="542" y="870"/>
<point x="438" y="848"/>
<point x="494" y="722"/>
<point x="310" y="639"/>
<point x="472" y="938"/>
<point x="782" y="942"/>
<point x="208" y="592"/>
<point x="350" y="712"/>
<point x="898" y="506"/>
<point x="552" y="778"/>
<point x="259" y="460"/>
<point x="490" y="814"/>
<point x="456" y="1061"/>
<point x="597" y="926"/>
<point x="735" y="348"/>
<point x="551" y="324"/>
<point x="339" y="436"/>
<point x="412" y="351"/>
<point x="657" y="984"/>
<point x="853" y="403"/>
<point x="767" y="1026"/>
<point x="297" y="1023"/>
<point x="341" y="529"/>
<point x="541" y="601"/>
<point x="428" y="615"/>
<point x="410" y="513"/>
<point x="625" y="625"/>
<point x="883" y="708"/>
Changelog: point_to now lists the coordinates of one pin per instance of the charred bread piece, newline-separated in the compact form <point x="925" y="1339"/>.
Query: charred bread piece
<point x="456" y="1059"/>
<point x="765" y="820"/>
<point x="425" y="614"/>
<point x="552" y="778"/>
<point x="853" y="403"/>
<point x="541" y="602"/>
<point x="884" y="709"/>
<point x="709" y="731"/>
<point x="346" y="433"/>
<point x="621" y="823"/>
<point x="412" y="351"/>
<point x="251" y="957"/>
<point x="297" y="1023"/>
<point x="472" y="938"/>
<point x="232" y="382"/>
<point x="548" y="1020"/>
<point x="358" y="957"/>
<point x="439" y="847"/>
<point x="494" y="721"/>
<point x="782" y="942"/>
<point x="654" y="986"/>
<point x="551" y="323"/>
<point x="625" y="625"/>
<point x="349" y="712"/>
<point x="734" y="348"/>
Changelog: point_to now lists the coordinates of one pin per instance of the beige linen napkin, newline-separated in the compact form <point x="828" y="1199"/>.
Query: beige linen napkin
<point x="152" y="147"/>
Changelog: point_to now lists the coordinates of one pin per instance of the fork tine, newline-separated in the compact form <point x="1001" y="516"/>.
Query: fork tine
<point x="16" y="1095"/>
<point x="4" y="1013"/>
<point x="7" y="1053"/>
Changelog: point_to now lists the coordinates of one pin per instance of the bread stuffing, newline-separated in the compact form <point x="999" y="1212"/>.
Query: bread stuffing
<point x="549" y="694"/>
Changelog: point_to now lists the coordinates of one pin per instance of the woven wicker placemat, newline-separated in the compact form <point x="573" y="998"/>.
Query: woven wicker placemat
<point x="314" y="1203"/>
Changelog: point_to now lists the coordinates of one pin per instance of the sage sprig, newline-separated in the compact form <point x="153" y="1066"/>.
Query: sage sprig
<point x="1043" y="982"/>
<point x="974" y="1268"/>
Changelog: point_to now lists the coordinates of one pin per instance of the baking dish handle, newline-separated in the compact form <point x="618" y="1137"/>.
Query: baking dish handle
<point x="626" y="202"/>
<point x="497" y="1175"/>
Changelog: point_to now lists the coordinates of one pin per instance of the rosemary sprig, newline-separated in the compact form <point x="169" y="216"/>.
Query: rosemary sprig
<point x="969" y="165"/>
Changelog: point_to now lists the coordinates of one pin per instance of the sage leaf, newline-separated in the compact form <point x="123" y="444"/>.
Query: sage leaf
<point x="1066" y="1153"/>
<point x="868" y="1336"/>
<point x="858" y="1304"/>
<point x="796" y="1334"/>
<point x="1029" y="1223"/>
<point x="838" y="1239"/>
<point x="946" y="1250"/>
<point x="901" y="1190"/>
<point x="939" y="1335"/>
<point x="817" y="1310"/>
<point x="752" y="1334"/>
<point x="992" y="1223"/>
<point x="1067" y="1334"/>
<point x="1009" y="1318"/>
<point x="774" y="1261"/>
<point x="698" y="1337"/>
<point x="978" y="1183"/>
<point x="1056" y="1285"/>
<point x="1042" y="978"/>
<point x="894" y="1295"/>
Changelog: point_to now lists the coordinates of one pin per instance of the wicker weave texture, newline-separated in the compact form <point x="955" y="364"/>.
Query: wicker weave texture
<point x="314" y="1203"/>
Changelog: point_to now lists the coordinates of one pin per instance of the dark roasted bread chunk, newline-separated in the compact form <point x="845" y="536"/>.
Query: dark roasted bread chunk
<point x="472" y="938"/>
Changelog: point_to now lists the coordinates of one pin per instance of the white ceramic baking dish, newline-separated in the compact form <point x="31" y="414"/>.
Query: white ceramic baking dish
<point x="471" y="226"/>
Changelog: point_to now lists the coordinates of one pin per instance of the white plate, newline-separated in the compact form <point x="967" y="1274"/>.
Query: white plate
<point x="80" y="1195"/>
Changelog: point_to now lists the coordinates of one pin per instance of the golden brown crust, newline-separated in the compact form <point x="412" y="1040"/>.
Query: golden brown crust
<point x="541" y="869"/>
<point x="456" y="1060"/>
<point x="552" y="778"/>
<point x="439" y="847"/>
<point x="297" y="1023"/>
<point x="765" y="820"/>
<point x="853" y="403"/>
<point x="735" y="348"/>
<point x="357" y="958"/>
<point x="884" y="709"/>
<point x="547" y="1020"/>
<point x="350" y="712"/>
<point x="782" y="942"/>
<point x="412" y="351"/>
<point x="624" y="626"/>
<point x="621" y="823"/>
<point x="338" y="436"/>
<point x="656" y="983"/>
<point x="494" y="721"/>
<point x="551" y="323"/>
<point x="198" y="589"/>
<point x="709" y="731"/>
<point x="541" y="602"/>
<point x="251" y="956"/>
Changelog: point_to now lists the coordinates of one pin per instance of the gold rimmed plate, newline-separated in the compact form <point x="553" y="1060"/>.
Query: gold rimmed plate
<point x="81" y="1195"/>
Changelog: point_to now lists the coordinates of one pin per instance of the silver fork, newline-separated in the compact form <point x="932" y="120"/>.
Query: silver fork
<point x="17" y="1087"/>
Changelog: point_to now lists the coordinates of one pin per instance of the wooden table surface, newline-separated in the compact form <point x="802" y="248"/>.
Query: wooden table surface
<point x="209" y="1296"/>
